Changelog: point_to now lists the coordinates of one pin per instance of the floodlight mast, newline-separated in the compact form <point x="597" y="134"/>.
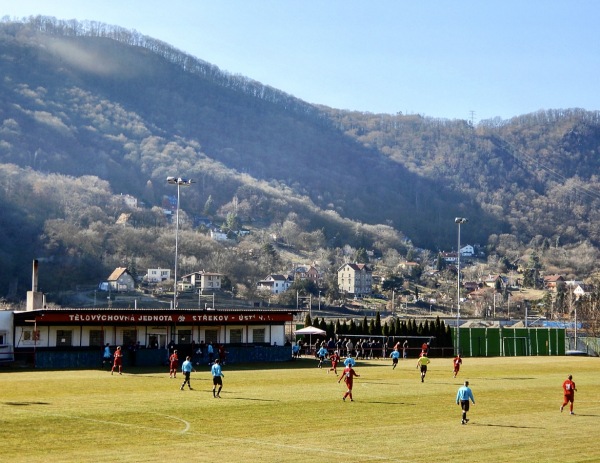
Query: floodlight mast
<point x="459" y="221"/>
<point x="179" y="181"/>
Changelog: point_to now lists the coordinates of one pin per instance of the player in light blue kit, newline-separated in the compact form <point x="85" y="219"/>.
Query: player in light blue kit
<point x="322" y="354"/>
<point x="186" y="369"/>
<point x="215" y="370"/>
<point x="395" y="356"/>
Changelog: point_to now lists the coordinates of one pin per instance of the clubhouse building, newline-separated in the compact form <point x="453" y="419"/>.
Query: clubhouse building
<point x="75" y="337"/>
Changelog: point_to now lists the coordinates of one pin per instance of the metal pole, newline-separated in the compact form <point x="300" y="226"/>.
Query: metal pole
<point x="458" y="221"/>
<point x="185" y="182"/>
<point x="176" y="248"/>
<point x="458" y="293"/>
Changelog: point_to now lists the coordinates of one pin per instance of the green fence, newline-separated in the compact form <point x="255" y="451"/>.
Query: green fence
<point x="498" y="342"/>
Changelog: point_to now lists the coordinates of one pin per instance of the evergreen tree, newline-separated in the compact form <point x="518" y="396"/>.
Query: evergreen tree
<point x="344" y="328"/>
<point x="352" y="327"/>
<point x="330" y="329"/>
<point x="338" y="327"/>
<point x="378" y="330"/>
<point x="307" y="320"/>
<point x="208" y="206"/>
<point x="323" y="326"/>
<point x="386" y="331"/>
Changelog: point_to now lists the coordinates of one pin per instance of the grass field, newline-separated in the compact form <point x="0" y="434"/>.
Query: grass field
<point x="293" y="412"/>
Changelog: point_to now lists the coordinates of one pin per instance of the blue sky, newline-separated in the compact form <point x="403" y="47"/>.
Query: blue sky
<point x="448" y="59"/>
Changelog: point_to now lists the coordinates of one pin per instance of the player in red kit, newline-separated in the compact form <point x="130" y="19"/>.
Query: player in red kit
<point x="173" y="364"/>
<point x="348" y="377"/>
<point x="118" y="363"/>
<point x="335" y="358"/>
<point x="569" y="393"/>
<point x="457" y="362"/>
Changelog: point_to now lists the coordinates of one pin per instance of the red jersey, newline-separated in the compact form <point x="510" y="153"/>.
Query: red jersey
<point x="457" y="362"/>
<point x="349" y="375"/>
<point x="335" y="358"/>
<point x="173" y="359"/>
<point x="569" y="387"/>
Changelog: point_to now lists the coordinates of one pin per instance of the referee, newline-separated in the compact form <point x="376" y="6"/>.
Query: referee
<point x="462" y="398"/>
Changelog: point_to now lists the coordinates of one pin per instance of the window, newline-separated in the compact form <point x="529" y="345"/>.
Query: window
<point x="235" y="336"/>
<point x="96" y="338"/>
<point x="258" y="335"/>
<point x="64" y="337"/>
<point x="184" y="336"/>
<point x="2" y="338"/>
<point x="27" y="335"/>
<point x="211" y="336"/>
<point x="129" y="337"/>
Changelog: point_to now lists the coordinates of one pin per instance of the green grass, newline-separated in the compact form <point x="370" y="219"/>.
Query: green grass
<point x="293" y="412"/>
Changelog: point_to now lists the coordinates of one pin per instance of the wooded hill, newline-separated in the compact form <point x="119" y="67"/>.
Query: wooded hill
<point x="90" y="111"/>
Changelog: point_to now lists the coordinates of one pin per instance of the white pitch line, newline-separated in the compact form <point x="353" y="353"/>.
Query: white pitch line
<point x="300" y="448"/>
<point x="116" y="423"/>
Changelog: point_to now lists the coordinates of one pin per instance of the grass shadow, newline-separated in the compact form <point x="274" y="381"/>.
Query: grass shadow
<point x="26" y="403"/>
<point x="506" y="426"/>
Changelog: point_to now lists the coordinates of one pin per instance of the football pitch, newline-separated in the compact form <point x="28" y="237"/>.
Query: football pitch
<point x="293" y="412"/>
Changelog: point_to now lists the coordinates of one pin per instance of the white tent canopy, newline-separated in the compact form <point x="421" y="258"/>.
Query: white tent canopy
<point x="310" y="330"/>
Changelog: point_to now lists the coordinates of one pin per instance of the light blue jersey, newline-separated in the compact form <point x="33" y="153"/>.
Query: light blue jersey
<point x="186" y="367"/>
<point x="216" y="370"/>
<point x="464" y="393"/>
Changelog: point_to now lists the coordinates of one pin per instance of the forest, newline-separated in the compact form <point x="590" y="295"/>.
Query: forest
<point x="91" y="113"/>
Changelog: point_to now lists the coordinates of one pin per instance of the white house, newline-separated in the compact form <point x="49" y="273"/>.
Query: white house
<point x="355" y="279"/>
<point x="277" y="284"/>
<point x="205" y="281"/>
<point x="218" y="235"/>
<point x="156" y="275"/>
<point x="582" y="290"/>
<point x="467" y="251"/>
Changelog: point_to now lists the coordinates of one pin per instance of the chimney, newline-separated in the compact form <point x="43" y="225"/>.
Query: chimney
<point x="35" y="300"/>
<point x="34" y="276"/>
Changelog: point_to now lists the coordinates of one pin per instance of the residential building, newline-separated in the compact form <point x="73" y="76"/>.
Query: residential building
<point x="356" y="279"/>
<point x="308" y="272"/>
<point x="129" y="201"/>
<point x="467" y="251"/>
<point x="156" y="275"/>
<point x="275" y="283"/>
<point x="449" y="257"/>
<point x="551" y="282"/>
<point x="121" y="280"/>
<point x="218" y="235"/>
<point x="204" y="281"/>
<point x="582" y="290"/>
<point x="492" y="280"/>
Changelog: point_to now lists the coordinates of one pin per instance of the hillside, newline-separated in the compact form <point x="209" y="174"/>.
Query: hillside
<point x="91" y="111"/>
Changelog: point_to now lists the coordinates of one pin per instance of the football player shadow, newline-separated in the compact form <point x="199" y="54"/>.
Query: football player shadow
<point x="506" y="426"/>
<point x="386" y="403"/>
<point x="27" y="403"/>
<point x="254" y="399"/>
